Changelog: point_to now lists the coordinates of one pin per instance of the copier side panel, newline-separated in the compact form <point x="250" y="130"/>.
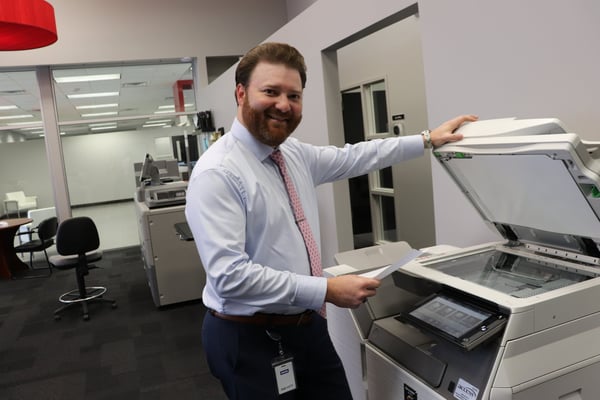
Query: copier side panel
<point x="179" y="272"/>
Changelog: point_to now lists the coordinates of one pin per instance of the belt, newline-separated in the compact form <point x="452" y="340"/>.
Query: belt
<point x="267" y="319"/>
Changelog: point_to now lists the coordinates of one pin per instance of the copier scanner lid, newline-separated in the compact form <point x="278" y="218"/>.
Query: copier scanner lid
<point x="530" y="179"/>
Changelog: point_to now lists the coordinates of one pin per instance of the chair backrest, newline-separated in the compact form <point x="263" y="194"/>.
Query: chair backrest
<point x="39" y="214"/>
<point x="47" y="228"/>
<point x="19" y="196"/>
<point x="77" y="235"/>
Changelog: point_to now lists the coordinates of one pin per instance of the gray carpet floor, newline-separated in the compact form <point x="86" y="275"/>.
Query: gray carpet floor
<point x="136" y="351"/>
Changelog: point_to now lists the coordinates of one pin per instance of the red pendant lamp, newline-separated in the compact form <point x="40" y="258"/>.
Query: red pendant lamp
<point x="26" y="24"/>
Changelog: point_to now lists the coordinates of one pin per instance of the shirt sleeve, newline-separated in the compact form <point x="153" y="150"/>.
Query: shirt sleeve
<point x="330" y="163"/>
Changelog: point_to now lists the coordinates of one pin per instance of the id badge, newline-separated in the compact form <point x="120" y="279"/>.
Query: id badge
<point x="284" y="374"/>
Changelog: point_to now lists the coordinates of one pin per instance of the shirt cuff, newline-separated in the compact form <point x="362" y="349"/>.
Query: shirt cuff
<point x="310" y="292"/>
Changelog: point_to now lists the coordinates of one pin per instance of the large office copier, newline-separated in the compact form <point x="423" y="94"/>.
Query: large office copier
<point x="172" y="264"/>
<point x="516" y="319"/>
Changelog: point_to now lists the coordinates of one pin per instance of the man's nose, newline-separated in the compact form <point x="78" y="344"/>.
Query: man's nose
<point x="283" y="104"/>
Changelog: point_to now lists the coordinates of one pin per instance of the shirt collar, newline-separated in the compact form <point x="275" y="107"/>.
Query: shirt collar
<point x="261" y="151"/>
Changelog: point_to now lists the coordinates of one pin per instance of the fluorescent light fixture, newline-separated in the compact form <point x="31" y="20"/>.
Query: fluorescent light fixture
<point x="155" y="121"/>
<point x="17" y="116"/>
<point x="11" y="107"/>
<point x="25" y="123"/>
<point x="103" y="124"/>
<point x="172" y="106"/>
<point x="100" y="114"/>
<point x="164" y="112"/>
<point x="152" y="125"/>
<point x="92" y="106"/>
<point x="87" y="78"/>
<point x="99" y="128"/>
<point x="91" y="95"/>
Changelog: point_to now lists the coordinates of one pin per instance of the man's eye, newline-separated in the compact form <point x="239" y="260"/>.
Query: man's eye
<point x="269" y="92"/>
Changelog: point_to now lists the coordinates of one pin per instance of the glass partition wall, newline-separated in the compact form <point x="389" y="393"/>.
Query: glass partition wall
<point x="109" y="116"/>
<point x="23" y="162"/>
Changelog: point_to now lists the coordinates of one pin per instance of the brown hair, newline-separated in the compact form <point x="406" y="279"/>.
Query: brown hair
<point x="271" y="52"/>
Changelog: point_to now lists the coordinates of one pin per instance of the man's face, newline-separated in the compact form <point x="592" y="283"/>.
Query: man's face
<point x="270" y="107"/>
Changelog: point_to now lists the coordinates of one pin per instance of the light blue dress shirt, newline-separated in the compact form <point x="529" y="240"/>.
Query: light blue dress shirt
<point x="239" y="212"/>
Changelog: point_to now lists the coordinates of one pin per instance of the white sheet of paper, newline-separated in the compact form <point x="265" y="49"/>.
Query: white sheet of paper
<point x="382" y="272"/>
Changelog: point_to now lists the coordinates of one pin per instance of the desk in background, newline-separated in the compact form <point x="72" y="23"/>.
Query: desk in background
<point x="9" y="262"/>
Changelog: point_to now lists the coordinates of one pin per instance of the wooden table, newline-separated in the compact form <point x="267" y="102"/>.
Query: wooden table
<point x="9" y="262"/>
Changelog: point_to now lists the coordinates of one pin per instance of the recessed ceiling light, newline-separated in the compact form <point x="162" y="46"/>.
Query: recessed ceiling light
<point x="87" y="78"/>
<point x="17" y="116"/>
<point x="101" y="114"/>
<point x="90" y="95"/>
<point x="91" y="106"/>
<point x="24" y="123"/>
<point x="152" y="125"/>
<point x="103" y="124"/>
<point x="11" y="107"/>
<point x="99" y="128"/>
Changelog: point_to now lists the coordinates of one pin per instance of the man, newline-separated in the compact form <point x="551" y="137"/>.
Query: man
<point x="263" y="333"/>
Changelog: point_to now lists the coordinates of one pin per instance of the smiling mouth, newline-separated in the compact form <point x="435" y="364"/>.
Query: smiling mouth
<point x="277" y="119"/>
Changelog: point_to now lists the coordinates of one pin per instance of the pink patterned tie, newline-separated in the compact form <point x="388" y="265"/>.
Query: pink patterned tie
<point x="316" y="268"/>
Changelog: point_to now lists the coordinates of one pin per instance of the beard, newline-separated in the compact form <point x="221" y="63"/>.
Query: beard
<point x="269" y="126"/>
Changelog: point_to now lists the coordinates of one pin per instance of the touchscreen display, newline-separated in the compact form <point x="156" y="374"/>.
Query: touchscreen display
<point x="450" y="317"/>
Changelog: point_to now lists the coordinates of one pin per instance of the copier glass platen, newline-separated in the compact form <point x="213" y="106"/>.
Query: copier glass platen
<point x="517" y="319"/>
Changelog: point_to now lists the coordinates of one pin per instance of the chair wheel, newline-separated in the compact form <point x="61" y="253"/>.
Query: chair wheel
<point x="56" y="317"/>
<point x="114" y="305"/>
<point x="86" y="317"/>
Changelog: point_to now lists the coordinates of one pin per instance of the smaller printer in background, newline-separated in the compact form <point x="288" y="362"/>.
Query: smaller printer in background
<point x="158" y="182"/>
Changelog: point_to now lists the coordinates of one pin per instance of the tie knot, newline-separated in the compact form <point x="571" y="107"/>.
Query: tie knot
<point x="277" y="156"/>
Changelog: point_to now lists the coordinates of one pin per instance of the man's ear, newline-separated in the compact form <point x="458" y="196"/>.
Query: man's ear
<point x="240" y="92"/>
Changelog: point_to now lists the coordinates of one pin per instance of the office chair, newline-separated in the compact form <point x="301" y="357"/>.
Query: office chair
<point x="77" y="243"/>
<point x="46" y="231"/>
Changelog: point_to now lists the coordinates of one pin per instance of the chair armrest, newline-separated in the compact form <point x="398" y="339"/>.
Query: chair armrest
<point x="26" y="231"/>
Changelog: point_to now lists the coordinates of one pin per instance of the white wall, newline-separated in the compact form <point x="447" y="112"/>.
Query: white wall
<point x="295" y="7"/>
<point x="23" y="166"/>
<point x="514" y="58"/>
